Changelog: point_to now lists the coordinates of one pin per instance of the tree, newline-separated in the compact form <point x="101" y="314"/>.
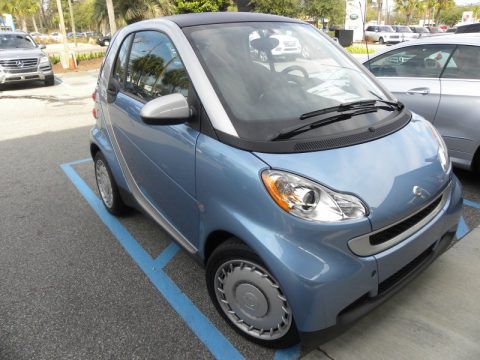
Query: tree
<point x="289" y="8"/>
<point x="326" y="9"/>
<point x="442" y="5"/>
<point x="193" y="6"/>
<point x="408" y="7"/>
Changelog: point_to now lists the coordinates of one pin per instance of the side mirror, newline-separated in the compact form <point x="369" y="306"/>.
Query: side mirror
<point x="170" y="109"/>
<point x="42" y="46"/>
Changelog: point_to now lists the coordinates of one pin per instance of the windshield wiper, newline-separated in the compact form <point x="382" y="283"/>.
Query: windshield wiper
<point x="295" y="130"/>
<point x="363" y="104"/>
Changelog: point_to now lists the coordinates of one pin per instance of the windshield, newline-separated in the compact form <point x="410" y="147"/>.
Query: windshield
<point x="403" y="29"/>
<point x="268" y="75"/>
<point x="16" y="41"/>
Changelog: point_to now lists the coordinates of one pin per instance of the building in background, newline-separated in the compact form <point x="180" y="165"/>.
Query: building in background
<point x="6" y="22"/>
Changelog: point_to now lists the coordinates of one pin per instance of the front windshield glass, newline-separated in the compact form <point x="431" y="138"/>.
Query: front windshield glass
<point x="16" y="41"/>
<point x="268" y="74"/>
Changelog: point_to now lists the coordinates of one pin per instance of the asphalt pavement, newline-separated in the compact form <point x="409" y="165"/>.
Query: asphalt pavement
<point x="77" y="284"/>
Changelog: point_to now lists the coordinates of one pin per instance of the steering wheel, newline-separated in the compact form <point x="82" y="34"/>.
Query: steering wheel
<point x="295" y="68"/>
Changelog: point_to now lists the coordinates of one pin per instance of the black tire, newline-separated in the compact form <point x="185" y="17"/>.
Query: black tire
<point x="116" y="206"/>
<point x="49" y="80"/>
<point x="234" y="250"/>
<point x="381" y="41"/>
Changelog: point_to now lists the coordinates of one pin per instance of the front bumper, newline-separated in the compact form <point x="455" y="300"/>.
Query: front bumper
<point x="395" y="268"/>
<point x="28" y="75"/>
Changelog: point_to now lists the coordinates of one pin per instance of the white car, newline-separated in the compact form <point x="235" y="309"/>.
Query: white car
<point x="405" y="32"/>
<point x="288" y="47"/>
<point x="384" y="34"/>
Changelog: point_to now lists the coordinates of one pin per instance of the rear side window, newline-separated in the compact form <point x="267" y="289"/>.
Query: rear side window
<point x="154" y="68"/>
<point x="464" y="63"/>
<point x="414" y="61"/>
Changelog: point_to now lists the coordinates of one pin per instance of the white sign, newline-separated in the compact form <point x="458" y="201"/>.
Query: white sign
<point x="355" y="15"/>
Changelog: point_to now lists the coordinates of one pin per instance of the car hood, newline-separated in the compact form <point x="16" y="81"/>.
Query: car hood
<point x="382" y="172"/>
<point x="20" y="53"/>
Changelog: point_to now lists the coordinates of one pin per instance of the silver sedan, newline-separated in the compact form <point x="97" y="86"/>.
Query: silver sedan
<point x="439" y="78"/>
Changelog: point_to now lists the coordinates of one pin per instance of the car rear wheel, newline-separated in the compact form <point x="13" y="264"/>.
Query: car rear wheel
<point x="107" y="187"/>
<point x="248" y="297"/>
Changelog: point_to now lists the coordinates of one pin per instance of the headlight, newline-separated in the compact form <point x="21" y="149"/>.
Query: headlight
<point x="44" y="60"/>
<point x="309" y="200"/>
<point x="442" y="149"/>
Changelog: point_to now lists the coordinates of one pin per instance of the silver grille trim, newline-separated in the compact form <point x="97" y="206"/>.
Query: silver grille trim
<point x="362" y="246"/>
<point x="15" y="64"/>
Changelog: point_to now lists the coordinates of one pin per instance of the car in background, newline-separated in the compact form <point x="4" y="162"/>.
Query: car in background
<point x="38" y="36"/>
<point x="439" y="78"/>
<point x="306" y="190"/>
<point x="288" y="47"/>
<point x="470" y="28"/>
<point x="435" y="30"/>
<point x="382" y="34"/>
<point x="21" y="59"/>
<point x="104" y="40"/>
<point x="420" y="30"/>
<point x="55" y="36"/>
<point x="405" y="32"/>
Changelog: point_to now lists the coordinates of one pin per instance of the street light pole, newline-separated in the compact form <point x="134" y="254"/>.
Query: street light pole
<point x="64" y="35"/>
<point x="72" y="22"/>
<point x="111" y="17"/>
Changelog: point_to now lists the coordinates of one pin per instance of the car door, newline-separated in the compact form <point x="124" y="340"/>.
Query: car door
<point x="412" y="74"/>
<point x="160" y="159"/>
<point x="457" y="117"/>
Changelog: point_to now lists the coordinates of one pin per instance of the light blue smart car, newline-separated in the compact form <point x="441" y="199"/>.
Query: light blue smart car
<point x="307" y="190"/>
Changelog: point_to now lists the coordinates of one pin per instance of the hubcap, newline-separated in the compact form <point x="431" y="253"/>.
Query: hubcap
<point x="104" y="183"/>
<point x="252" y="299"/>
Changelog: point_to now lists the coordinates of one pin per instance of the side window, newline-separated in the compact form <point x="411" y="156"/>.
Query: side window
<point x="414" y="61"/>
<point x="154" y="68"/>
<point x="120" y="68"/>
<point x="464" y="63"/>
<point x="370" y="28"/>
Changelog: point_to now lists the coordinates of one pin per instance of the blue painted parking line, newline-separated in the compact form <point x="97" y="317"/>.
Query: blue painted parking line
<point x="470" y="203"/>
<point x="213" y="339"/>
<point x="462" y="229"/>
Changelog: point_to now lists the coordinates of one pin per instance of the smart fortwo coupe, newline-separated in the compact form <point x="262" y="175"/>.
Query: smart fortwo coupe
<point x="307" y="190"/>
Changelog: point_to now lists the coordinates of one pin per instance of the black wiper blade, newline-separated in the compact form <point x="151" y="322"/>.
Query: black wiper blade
<point x="295" y="130"/>
<point x="353" y="106"/>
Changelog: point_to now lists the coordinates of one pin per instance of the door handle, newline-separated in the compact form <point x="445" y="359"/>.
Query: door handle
<point x="420" y="91"/>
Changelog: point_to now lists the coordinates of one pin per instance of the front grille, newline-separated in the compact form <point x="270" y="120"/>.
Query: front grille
<point x="394" y="36"/>
<point x="403" y="226"/>
<point x="21" y="71"/>
<point x="19" y="63"/>
<point x="390" y="282"/>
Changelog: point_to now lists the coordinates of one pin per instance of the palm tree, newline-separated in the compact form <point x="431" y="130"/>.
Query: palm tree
<point x="408" y="7"/>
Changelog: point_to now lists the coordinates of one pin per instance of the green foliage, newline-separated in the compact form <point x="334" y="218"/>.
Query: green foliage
<point x="355" y="49"/>
<point x="291" y="8"/>
<point x="90" y="56"/>
<point x="193" y="6"/>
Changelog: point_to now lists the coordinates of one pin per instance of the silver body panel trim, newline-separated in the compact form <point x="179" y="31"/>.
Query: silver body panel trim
<point x="361" y="245"/>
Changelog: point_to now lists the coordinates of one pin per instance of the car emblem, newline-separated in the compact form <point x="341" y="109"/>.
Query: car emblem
<point x="419" y="192"/>
<point x="19" y="63"/>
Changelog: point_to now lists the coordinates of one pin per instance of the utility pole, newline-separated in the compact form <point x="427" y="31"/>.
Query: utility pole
<point x="111" y="17"/>
<point x="64" y="57"/>
<point x="72" y="23"/>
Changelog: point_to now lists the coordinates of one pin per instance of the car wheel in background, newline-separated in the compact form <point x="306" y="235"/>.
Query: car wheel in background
<point x="49" y="80"/>
<point x="381" y="41"/>
<point x="107" y="186"/>
<point x="248" y="297"/>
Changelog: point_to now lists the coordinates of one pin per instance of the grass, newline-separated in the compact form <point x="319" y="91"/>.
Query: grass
<point x="55" y="59"/>
<point x="355" y="49"/>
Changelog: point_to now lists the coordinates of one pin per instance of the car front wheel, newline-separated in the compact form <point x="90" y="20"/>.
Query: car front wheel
<point x="248" y="297"/>
<point x="381" y="41"/>
<point x="49" y="80"/>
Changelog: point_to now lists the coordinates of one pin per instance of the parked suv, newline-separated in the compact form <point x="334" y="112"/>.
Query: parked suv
<point x="384" y="34"/>
<point x="21" y="59"/>
<point x="405" y="32"/>
<point x="310" y="194"/>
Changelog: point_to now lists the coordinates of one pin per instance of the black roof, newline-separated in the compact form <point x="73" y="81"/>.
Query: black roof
<point x="186" y="20"/>
<point x="468" y="28"/>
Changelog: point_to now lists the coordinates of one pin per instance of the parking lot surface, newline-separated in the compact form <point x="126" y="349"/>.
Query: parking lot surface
<point x="77" y="283"/>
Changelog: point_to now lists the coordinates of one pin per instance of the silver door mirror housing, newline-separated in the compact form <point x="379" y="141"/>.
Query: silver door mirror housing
<point x="170" y="109"/>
